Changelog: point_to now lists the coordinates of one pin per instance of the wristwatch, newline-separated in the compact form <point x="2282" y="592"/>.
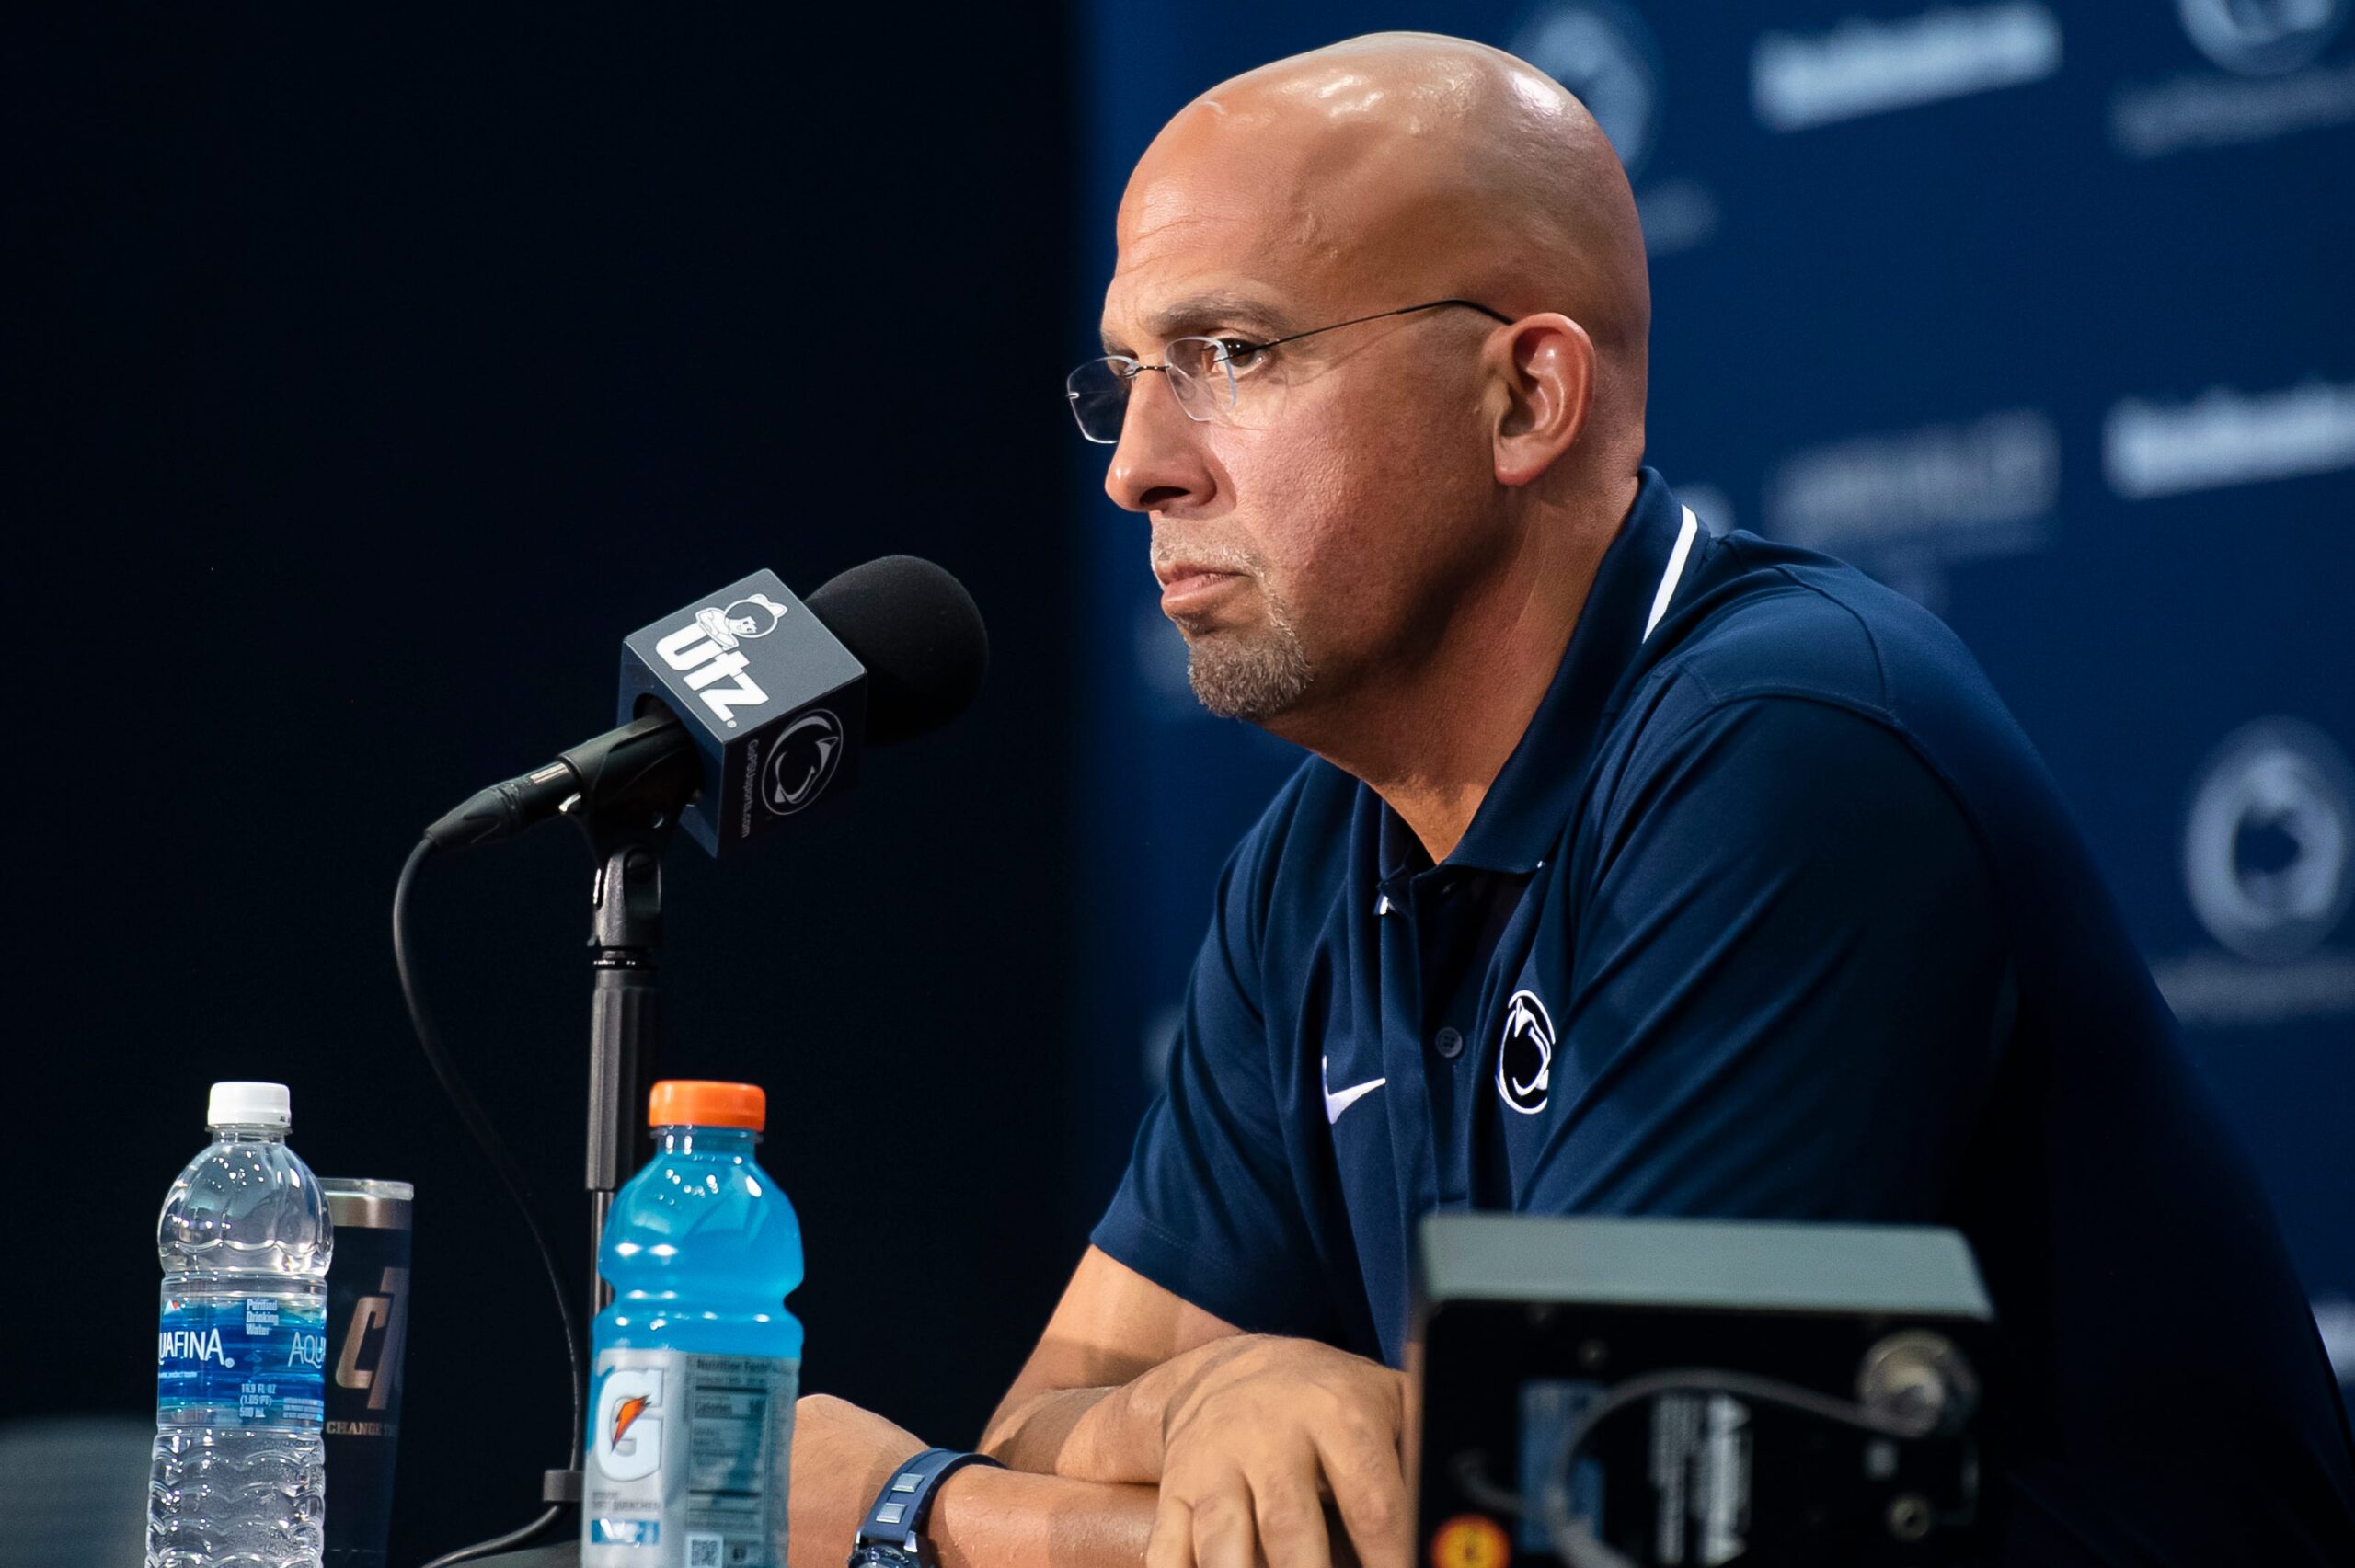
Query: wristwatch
<point x="892" y="1536"/>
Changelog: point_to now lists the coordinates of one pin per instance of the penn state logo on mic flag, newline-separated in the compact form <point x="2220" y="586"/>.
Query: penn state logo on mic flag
<point x="801" y="762"/>
<point x="1525" y="1058"/>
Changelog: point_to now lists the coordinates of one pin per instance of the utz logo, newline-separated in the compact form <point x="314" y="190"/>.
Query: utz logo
<point x="1525" y="1058"/>
<point x="704" y="650"/>
<point x="629" y="1428"/>
<point x="802" y="763"/>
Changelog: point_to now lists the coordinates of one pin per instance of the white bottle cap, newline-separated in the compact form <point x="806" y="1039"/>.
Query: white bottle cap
<point x="249" y="1104"/>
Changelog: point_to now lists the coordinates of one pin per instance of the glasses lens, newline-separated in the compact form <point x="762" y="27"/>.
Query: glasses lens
<point x="1098" y="390"/>
<point x="1201" y="376"/>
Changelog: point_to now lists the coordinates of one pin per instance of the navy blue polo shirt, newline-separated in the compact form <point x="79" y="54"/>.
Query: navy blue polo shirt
<point x="1772" y="912"/>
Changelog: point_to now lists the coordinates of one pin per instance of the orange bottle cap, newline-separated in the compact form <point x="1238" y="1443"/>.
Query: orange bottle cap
<point x="689" y="1101"/>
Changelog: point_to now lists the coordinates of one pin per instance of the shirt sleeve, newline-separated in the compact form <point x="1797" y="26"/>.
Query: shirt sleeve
<point x="1792" y="988"/>
<point x="1208" y="1208"/>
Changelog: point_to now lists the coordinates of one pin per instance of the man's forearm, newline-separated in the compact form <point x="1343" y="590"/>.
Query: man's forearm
<point x="1106" y="1434"/>
<point x="1034" y="1435"/>
<point x="1005" y="1518"/>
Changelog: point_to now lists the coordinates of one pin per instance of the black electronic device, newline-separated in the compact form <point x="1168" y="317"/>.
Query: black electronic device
<point x="1625" y="1393"/>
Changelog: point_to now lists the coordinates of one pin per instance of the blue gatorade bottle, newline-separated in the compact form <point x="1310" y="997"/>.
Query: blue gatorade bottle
<point x="698" y="1361"/>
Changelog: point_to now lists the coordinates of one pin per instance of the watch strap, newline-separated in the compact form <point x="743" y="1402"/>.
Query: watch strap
<point x="897" y="1517"/>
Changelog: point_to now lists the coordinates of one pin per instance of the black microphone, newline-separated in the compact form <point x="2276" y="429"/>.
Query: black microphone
<point x="750" y="705"/>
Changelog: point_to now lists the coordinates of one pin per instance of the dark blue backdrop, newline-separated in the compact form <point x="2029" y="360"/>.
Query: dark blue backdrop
<point x="2036" y="310"/>
<point x="378" y="374"/>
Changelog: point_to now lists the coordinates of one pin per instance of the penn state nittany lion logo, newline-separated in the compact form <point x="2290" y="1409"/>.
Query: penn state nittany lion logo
<point x="2269" y="843"/>
<point x="801" y="762"/>
<point x="2261" y="38"/>
<point x="1603" y="53"/>
<point x="741" y="621"/>
<point x="1526" y="1059"/>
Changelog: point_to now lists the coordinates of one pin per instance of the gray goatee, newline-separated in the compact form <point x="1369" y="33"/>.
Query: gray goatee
<point x="1250" y="674"/>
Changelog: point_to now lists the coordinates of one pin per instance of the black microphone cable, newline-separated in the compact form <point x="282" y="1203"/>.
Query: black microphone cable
<point x="510" y="1176"/>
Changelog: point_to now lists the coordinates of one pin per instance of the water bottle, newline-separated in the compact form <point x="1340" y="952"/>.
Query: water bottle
<point x="239" y="1473"/>
<point x="698" y="1361"/>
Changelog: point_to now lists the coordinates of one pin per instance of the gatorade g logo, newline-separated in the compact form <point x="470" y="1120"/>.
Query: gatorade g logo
<point x="704" y="651"/>
<point x="801" y="762"/>
<point x="629" y="1430"/>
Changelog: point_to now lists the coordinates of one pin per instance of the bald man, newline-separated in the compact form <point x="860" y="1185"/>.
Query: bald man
<point x="1632" y="872"/>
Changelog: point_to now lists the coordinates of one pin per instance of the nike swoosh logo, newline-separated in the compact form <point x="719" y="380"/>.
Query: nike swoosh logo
<point x="1336" y="1103"/>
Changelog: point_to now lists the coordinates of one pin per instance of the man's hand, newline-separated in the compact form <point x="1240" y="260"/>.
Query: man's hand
<point x="841" y="1457"/>
<point x="1246" y="1436"/>
<point x="1254" y="1433"/>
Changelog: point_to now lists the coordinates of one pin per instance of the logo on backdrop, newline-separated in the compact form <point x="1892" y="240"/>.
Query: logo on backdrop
<point x="2273" y="82"/>
<point x="1603" y="53"/>
<point x="707" y="649"/>
<point x="1906" y="504"/>
<point x="2270" y="843"/>
<point x="1862" y="66"/>
<point x="1525" y="1059"/>
<point x="2268" y="868"/>
<point x="801" y="762"/>
<point x="2228" y="437"/>
<point x="629" y="1430"/>
<point x="2261" y="38"/>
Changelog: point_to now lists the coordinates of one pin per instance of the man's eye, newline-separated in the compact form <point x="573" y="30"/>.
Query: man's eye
<point x="1241" y="353"/>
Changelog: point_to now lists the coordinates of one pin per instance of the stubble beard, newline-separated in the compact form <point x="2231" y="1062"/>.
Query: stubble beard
<point x="1252" y="673"/>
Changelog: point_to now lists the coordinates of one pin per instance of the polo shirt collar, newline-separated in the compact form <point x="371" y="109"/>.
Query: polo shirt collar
<point x="1522" y="814"/>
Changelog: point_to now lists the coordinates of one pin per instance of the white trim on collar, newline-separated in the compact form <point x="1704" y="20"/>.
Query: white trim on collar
<point x="1675" y="572"/>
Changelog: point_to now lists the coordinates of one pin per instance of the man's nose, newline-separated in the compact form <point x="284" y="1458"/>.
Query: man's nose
<point x="1158" y="462"/>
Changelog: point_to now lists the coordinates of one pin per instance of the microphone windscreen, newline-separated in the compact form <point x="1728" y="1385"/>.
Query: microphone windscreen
<point x="919" y="634"/>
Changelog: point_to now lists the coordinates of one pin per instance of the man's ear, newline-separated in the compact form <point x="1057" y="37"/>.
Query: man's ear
<point x="1546" y="363"/>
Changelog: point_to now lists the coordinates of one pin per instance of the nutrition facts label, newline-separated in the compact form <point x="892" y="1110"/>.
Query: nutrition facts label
<point x="688" y="1466"/>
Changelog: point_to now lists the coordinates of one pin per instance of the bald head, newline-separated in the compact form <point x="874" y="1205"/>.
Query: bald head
<point x="1397" y="167"/>
<point x="1381" y="511"/>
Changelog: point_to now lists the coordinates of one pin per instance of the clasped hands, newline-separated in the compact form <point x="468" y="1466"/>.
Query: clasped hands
<point x="1247" y="1437"/>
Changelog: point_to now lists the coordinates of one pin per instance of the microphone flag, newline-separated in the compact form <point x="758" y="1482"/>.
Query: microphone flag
<point x="776" y="705"/>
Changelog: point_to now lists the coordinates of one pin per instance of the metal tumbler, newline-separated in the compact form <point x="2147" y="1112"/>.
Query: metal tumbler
<point x="367" y="1321"/>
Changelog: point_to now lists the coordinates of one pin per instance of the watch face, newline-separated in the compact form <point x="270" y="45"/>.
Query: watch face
<point x="878" y="1555"/>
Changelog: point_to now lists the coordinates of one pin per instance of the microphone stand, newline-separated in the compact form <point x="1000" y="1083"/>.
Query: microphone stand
<point x="628" y="841"/>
